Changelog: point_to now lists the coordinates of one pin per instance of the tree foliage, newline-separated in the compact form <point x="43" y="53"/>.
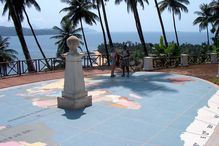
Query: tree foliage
<point x="6" y="54"/>
<point x="170" y="50"/>
<point x="64" y="32"/>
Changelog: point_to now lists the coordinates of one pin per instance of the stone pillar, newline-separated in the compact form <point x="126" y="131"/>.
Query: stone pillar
<point x="148" y="63"/>
<point x="74" y="95"/>
<point x="184" y="60"/>
<point x="214" y="58"/>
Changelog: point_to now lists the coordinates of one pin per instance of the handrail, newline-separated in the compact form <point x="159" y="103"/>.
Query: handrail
<point x="170" y="62"/>
<point x="19" y="67"/>
<point x="166" y="62"/>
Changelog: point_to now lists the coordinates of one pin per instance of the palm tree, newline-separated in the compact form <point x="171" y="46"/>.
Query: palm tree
<point x="98" y="5"/>
<point x="29" y="3"/>
<point x="132" y="5"/>
<point x="101" y="2"/>
<point x="174" y="6"/>
<point x="66" y="30"/>
<point x="78" y="11"/>
<point x="215" y="17"/>
<point x="161" y="23"/>
<point x="214" y="5"/>
<point x="14" y="9"/>
<point x="203" y="19"/>
<point x="6" y="55"/>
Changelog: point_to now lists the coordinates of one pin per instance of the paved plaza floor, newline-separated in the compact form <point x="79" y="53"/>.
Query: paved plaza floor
<point x="146" y="109"/>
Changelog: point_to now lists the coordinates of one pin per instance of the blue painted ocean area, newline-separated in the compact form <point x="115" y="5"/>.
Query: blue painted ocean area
<point x="96" y="38"/>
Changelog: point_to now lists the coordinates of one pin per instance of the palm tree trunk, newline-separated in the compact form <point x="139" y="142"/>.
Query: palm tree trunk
<point x="20" y="35"/>
<point x="38" y="44"/>
<point x="174" y="23"/>
<point x="217" y="33"/>
<point x="104" y="36"/>
<point x="161" y="23"/>
<point x="208" y="39"/>
<point x="138" y="26"/>
<point x="106" y="24"/>
<point x="85" y="42"/>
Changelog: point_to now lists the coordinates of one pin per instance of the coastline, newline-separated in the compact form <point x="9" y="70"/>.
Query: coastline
<point x="95" y="39"/>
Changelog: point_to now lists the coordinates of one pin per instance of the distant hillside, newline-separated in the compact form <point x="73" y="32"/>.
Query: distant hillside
<point x="10" y="31"/>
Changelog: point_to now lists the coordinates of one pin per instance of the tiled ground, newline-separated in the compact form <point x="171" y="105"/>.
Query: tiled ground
<point x="146" y="109"/>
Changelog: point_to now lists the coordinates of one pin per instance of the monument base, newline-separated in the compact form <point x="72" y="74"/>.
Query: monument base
<point x="67" y="103"/>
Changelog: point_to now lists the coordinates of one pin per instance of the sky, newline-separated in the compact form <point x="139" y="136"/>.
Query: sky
<point x="118" y="17"/>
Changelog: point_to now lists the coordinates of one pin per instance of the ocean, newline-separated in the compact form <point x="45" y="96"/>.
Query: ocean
<point x="94" y="39"/>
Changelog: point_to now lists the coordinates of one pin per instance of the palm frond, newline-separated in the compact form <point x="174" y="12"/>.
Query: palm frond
<point x="204" y="17"/>
<point x="6" y="54"/>
<point x="175" y="6"/>
<point x="67" y="29"/>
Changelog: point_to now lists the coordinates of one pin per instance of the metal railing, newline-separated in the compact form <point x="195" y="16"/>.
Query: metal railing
<point x="199" y="59"/>
<point x="17" y="68"/>
<point x="165" y="62"/>
<point x="170" y="62"/>
<point x="97" y="60"/>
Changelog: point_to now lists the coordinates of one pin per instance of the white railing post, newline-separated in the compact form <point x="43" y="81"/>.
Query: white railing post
<point x="213" y="58"/>
<point x="148" y="63"/>
<point x="184" y="60"/>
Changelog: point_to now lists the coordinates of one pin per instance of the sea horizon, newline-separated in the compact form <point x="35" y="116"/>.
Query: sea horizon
<point x="95" y="38"/>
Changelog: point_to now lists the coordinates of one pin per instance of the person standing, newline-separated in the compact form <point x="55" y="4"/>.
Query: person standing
<point x="125" y="60"/>
<point x="115" y="61"/>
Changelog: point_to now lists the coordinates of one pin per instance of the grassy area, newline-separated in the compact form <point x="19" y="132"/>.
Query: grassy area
<point x="215" y="80"/>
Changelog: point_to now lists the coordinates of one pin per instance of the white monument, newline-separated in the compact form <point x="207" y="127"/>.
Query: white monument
<point x="74" y="95"/>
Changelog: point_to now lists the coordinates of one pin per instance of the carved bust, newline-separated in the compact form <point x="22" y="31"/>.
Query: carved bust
<point x="73" y="43"/>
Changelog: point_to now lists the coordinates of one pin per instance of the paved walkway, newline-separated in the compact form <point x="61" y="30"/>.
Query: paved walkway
<point x="25" y="79"/>
<point x="37" y="77"/>
<point x="147" y="109"/>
